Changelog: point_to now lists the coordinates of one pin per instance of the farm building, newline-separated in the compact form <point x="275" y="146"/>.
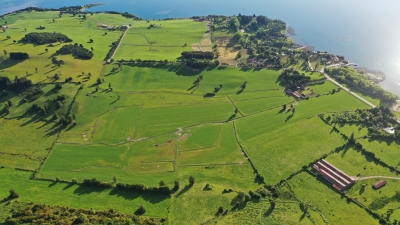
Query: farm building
<point x="389" y="130"/>
<point x="379" y="184"/>
<point x="297" y="95"/>
<point x="336" y="177"/>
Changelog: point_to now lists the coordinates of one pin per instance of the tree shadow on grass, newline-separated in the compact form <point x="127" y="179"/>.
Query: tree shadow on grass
<point x="9" y="63"/>
<point x="85" y="189"/>
<point x="130" y="195"/>
<point x="69" y="185"/>
<point x="289" y="117"/>
<point x="183" y="191"/>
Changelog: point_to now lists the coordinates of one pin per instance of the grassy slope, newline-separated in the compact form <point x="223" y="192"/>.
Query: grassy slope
<point x="79" y="196"/>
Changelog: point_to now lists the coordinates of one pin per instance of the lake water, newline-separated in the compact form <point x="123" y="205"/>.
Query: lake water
<point x="364" y="31"/>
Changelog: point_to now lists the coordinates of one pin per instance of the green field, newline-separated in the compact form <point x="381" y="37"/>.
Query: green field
<point x="142" y="42"/>
<point x="159" y="124"/>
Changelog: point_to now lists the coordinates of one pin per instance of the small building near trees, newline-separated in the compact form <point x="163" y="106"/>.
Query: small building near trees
<point x="379" y="184"/>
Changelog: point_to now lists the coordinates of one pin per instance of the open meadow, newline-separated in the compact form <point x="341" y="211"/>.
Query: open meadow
<point x="218" y="144"/>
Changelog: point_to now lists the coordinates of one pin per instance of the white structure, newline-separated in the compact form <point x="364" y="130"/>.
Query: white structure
<point x="389" y="130"/>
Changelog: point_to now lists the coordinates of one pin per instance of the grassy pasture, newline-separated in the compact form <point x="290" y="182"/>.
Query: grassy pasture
<point x="175" y="78"/>
<point x="323" y="88"/>
<point x="67" y="160"/>
<point x="254" y="128"/>
<point x="22" y="108"/>
<point x="256" y="105"/>
<point x="116" y="125"/>
<point x="335" y="208"/>
<point x="248" y="95"/>
<point x="226" y="147"/>
<point x="360" y="130"/>
<point x="19" y="161"/>
<point x="387" y="151"/>
<point x="353" y="163"/>
<point x="151" y="123"/>
<point x="258" y="213"/>
<point x="80" y="196"/>
<point x="73" y="27"/>
<point x="167" y="40"/>
<point x="34" y="138"/>
<point x="151" y="156"/>
<point x="292" y="148"/>
<point x="202" y="136"/>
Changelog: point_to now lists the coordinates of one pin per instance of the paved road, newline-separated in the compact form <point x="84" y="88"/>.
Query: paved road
<point x="344" y="88"/>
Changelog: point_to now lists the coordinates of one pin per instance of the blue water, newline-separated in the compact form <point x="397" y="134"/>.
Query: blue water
<point x="364" y="31"/>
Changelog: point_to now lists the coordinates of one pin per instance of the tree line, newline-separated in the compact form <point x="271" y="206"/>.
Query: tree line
<point x="197" y="55"/>
<point x="360" y="82"/>
<point x="45" y="38"/>
<point x="76" y="50"/>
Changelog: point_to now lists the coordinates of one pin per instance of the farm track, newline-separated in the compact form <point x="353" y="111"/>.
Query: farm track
<point x="375" y="177"/>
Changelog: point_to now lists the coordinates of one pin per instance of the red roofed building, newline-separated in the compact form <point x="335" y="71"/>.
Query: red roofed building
<point x="379" y="184"/>
<point x="336" y="177"/>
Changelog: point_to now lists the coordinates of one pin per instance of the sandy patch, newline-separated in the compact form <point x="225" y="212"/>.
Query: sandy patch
<point x="196" y="47"/>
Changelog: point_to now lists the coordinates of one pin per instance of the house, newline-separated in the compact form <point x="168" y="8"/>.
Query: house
<point x="379" y="184"/>
<point x="297" y="95"/>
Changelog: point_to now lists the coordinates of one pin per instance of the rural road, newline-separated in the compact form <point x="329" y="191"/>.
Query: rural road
<point x="344" y="88"/>
<point x="373" y="177"/>
<point x="119" y="44"/>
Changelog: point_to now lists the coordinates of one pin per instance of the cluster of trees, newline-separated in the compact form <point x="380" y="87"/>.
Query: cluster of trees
<point x="375" y="119"/>
<point x="200" y="63"/>
<point x="45" y="38"/>
<point x="76" y="50"/>
<point x="197" y="55"/>
<point x="19" y="55"/>
<point x="361" y="82"/>
<point x="293" y="79"/>
<point x="32" y="213"/>
<point x="16" y="84"/>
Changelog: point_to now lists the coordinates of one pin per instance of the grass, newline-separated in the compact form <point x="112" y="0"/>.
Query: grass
<point x="142" y="42"/>
<point x="276" y="150"/>
<point x="79" y="196"/>
<point x="252" y="129"/>
<point x="34" y="138"/>
<point x="354" y="163"/>
<point x="64" y="163"/>
<point x="386" y="150"/>
<point x="21" y="108"/>
<point x="152" y="123"/>
<point x="256" y="105"/>
<point x="335" y="208"/>
<point x="227" y="151"/>
<point x="117" y="125"/>
<point x="202" y="136"/>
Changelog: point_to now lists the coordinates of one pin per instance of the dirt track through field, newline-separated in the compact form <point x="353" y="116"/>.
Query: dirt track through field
<point x="375" y="177"/>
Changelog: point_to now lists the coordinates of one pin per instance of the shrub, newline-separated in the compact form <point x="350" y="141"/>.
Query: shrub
<point x="141" y="210"/>
<point x="13" y="194"/>
<point x="191" y="180"/>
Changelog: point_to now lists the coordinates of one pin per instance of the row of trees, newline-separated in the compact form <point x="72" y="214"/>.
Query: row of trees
<point x="45" y="38"/>
<point x="197" y="55"/>
<point x="76" y="50"/>
<point x="359" y="81"/>
<point x="19" y="55"/>
<point x="16" y="84"/>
